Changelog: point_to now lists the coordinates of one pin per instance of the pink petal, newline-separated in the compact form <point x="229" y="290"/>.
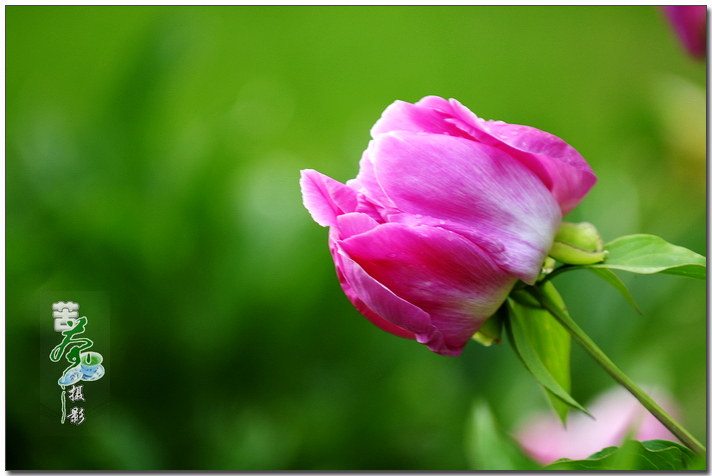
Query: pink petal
<point x="367" y="184"/>
<point x="616" y="412"/>
<point x="473" y="185"/>
<point x="553" y="160"/>
<point x="325" y="198"/>
<point x="440" y="272"/>
<point x="365" y="311"/>
<point x="424" y="116"/>
<point x="562" y="169"/>
<point x="351" y="224"/>
<point x="374" y="300"/>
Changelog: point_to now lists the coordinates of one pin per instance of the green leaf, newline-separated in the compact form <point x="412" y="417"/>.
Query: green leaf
<point x="616" y="282"/>
<point x="694" y="461"/>
<point x="552" y="344"/>
<point x="634" y="455"/>
<point x="648" y="254"/>
<point x="490" y="448"/>
<point x="543" y="346"/>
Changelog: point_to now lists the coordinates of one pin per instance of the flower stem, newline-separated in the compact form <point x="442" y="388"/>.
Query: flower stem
<point x="562" y="316"/>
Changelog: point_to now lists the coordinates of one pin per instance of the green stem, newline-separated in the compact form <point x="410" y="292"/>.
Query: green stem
<point x="557" y="271"/>
<point x="682" y="434"/>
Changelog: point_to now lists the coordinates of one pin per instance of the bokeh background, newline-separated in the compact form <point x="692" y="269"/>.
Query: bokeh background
<point x="153" y="156"/>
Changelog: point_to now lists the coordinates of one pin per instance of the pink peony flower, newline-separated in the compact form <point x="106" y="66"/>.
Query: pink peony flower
<point x="446" y="213"/>
<point x="690" y="24"/>
<point x="616" y="413"/>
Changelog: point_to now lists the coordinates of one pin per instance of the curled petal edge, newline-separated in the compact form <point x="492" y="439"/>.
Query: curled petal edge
<point x="386" y="310"/>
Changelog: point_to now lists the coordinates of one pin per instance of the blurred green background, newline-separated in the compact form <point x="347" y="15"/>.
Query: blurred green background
<point x="153" y="155"/>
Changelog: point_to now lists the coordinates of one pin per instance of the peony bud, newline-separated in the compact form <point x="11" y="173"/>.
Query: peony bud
<point x="446" y="213"/>
<point x="577" y="243"/>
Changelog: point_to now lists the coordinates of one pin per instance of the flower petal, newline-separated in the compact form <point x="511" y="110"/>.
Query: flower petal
<point x="617" y="414"/>
<point x="424" y="116"/>
<point x="477" y="186"/>
<point x="325" y="198"/>
<point x="367" y="184"/>
<point x="442" y="273"/>
<point x="374" y="300"/>
<point x="562" y="169"/>
<point x="351" y="224"/>
<point x="569" y="174"/>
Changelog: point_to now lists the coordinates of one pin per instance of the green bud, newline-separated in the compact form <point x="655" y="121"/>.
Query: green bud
<point x="577" y="243"/>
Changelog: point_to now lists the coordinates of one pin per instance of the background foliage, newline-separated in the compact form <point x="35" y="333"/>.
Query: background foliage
<point x="152" y="154"/>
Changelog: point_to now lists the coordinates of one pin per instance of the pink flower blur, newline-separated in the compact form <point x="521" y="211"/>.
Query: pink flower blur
<point x="690" y="24"/>
<point x="616" y="413"/>
<point x="446" y="213"/>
